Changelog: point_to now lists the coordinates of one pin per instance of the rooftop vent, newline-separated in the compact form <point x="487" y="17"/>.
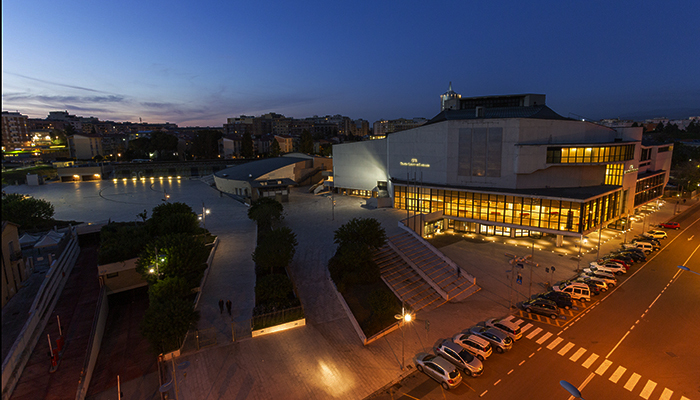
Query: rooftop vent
<point x="479" y="112"/>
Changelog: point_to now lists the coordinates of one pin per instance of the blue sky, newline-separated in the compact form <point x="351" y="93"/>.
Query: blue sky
<point x="195" y="63"/>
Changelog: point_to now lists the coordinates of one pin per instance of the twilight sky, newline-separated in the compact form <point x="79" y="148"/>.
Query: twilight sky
<point x="195" y="63"/>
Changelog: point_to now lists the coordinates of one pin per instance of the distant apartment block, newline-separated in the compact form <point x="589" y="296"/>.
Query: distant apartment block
<point x="385" y="127"/>
<point x="85" y="147"/>
<point x="14" y="129"/>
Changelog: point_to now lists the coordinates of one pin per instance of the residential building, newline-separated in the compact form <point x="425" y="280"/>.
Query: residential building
<point x="506" y="165"/>
<point x="286" y="143"/>
<point x="385" y="127"/>
<point x="85" y="147"/>
<point x="14" y="129"/>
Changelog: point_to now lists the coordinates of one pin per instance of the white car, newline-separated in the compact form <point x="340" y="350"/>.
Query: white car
<point x="612" y="267"/>
<point x="600" y="275"/>
<point x="507" y="327"/>
<point x="655" y="234"/>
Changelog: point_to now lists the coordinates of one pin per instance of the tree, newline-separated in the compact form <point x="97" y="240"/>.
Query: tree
<point x="169" y="288"/>
<point x="659" y="127"/>
<point x="247" y="149"/>
<point x="353" y="261"/>
<point x="26" y="211"/>
<point x="176" y="256"/>
<point x="166" y="323"/>
<point x="276" y="249"/>
<point x="275" y="149"/>
<point x="365" y="231"/>
<point x="273" y="290"/>
<point x="306" y="142"/>
<point x="634" y="124"/>
<point x="169" y="218"/>
<point x="265" y="211"/>
<point x="206" y="144"/>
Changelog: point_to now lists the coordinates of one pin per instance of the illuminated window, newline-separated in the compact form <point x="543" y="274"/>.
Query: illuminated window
<point x="613" y="174"/>
<point x="587" y="155"/>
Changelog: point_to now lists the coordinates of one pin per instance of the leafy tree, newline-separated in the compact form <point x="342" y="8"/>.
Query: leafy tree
<point x="121" y="241"/>
<point x="247" y="149"/>
<point x="659" y="127"/>
<point x="275" y="249"/>
<point x="166" y="323"/>
<point x="26" y="211"/>
<point x="273" y="290"/>
<point x="275" y="149"/>
<point x="353" y="264"/>
<point x="169" y="288"/>
<point x="265" y="211"/>
<point x="306" y="142"/>
<point x="365" y="231"/>
<point x="205" y="144"/>
<point x="382" y="303"/>
<point x="176" y="255"/>
<point x="168" y="218"/>
<point x="634" y="124"/>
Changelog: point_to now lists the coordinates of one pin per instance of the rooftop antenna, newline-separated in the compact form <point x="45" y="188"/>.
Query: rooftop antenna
<point x="140" y="121"/>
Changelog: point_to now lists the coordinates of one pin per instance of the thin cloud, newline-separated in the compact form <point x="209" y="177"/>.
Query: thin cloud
<point x="54" y="83"/>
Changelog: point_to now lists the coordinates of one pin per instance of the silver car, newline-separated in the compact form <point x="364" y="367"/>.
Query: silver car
<point x="439" y="369"/>
<point x="508" y="327"/>
<point x="474" y="344"/>
<point x="460" y="357"/>
<point x="499" y="340"/>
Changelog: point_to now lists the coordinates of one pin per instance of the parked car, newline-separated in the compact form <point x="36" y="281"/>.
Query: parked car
<point x="670" y="225"/>
<point x="479" y="347"/>
<point x="577" y="290"/>
<point x="510" y="328"/>
<point x="651" y="240"/>
<point x="638" y="256"/>
<point x="595" y="286"/>
<point x="439" y="369"/>
<point x="655" y="234"/>
<point x="542" y="306"/>
<point x="563" y="300"/>
<point x="460" y="357"/>
<point x="611" y="268"/>
<point x="611" y="259"/>
<point x="627" y="258"/>
<point x="499" y="340"/>
<point x="603" y="276"/>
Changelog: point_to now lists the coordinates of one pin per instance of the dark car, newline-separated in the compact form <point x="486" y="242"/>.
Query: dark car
<point x="596" y="286"/>
<point x="542" y="306"/>
<point x="653" y="241"/>
<point x="638" y="256"/>
<point x="620" y="256"/>
<point x="562" y="299"/>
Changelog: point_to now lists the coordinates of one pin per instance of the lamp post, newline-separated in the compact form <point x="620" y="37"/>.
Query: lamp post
<point x="571" y="389"/>
<point x="205" y="211"/>
<point x="404" y="317"/>
<point x="684" y="268"/>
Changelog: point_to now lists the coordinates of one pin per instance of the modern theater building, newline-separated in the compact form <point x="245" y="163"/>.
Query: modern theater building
<point x="506" y="165"/>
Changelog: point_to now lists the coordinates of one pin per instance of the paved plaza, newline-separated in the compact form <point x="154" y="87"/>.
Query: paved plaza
<point x="325" y="358"/>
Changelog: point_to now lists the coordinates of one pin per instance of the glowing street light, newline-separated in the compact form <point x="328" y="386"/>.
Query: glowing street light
<point x="405" y="317"/>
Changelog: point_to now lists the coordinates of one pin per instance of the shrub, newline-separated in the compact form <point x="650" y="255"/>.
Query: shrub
<point x="166" y="323"/>
<point x="275" y="250"/>
<point x="273" y="290"/>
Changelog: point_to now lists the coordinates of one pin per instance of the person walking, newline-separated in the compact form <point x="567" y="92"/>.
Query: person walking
<point x="228" y="307"/>
<point x="221" y="306"/>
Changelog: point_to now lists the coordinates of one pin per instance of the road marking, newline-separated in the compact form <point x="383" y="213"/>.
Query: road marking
<point x="497" y="382"/>
<point x="648" y="388"/>
<point x="617" y="374"/>
<point x="565" y="349"/>
<point x="583" y="385"/>
<point x="510" y="372"/>
<point x="603" y="367"/>
<point x="591" y="359"/>
<point x="578" y="354"/>
<point x="618" y="343"/>
<point x="534" y="333"/>
<point x="632" y="382"/>
<point x="522" y="362"/>
<point x="684" y="398"/>
<point x="544" y="338"/>
<point x="555" y="343"/>
<point x="667" y="393"/>
<point x="526" y="327"/>
<point x="482" y="395"/>
<point x="518" y="322"/>
<point x="530" y="356"/>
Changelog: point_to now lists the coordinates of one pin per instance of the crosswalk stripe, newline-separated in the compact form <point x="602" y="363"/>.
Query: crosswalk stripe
<point x="555" y="343"/>
<point x="603" y="367"/>
<point x="591" y="359"/>
<point x="578" y="354"/>
<point x="648" y="388"/>
<point x="534" y="333"/>
<point x="667" y="393"/>
<point x="617" y="374"/>
<point x="518" y="322"/>
<point x="684" y="398"/>
<point x="543" y="338"/>
<point x="632" y="381"/>
<point x="565" y="349"/>
<point x="526" y="327"/>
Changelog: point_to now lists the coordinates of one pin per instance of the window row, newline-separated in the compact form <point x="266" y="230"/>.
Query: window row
<point x="649" y="188"/>
<point x="614" y="173"/>
<point x="598" y="154"/>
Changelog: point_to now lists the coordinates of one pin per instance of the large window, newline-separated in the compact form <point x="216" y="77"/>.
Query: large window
<point x="649" y="188"/>
<point x="613" y="174"/>
<point x="588" y="155"/>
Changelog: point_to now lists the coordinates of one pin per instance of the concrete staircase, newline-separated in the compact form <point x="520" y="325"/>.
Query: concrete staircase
<point x="405" y="282"/>
<point x="433" y="267"/>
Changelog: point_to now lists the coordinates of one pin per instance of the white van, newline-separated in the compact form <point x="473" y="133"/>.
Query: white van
<point x="577" y="290"/>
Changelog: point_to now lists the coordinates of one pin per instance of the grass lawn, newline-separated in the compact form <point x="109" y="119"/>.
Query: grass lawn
<point x="357" y="297"/>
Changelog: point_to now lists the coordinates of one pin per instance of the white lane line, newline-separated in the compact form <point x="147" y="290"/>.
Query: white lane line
<point x="521" y="363"/>
<point x="578" y="354"/>
<point x="648" y="388"/>
<point x="617" y="374"/>
<point x="565" y="349"/>
<point x="530" y="356"/>
<point x="618" y="343"/>
<point x="603" y="367"/>
<point x="510" y="372"/>
<point x="497" y="382"/>
<point x="555" y="343"/>
<point x="583" y="385"/>
<point x="544" y="338"/>
<point x="482" y="395"/>
<point x="632" y="381"/>
<point x="534" y="333"/>
<point x="667" y="393"/>
<point x="591" y="359"/>
<point x="525" y="328"/>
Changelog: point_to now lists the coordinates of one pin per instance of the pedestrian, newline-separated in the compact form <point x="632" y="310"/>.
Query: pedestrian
<point x="228" y="307"/>
<point x="458" y="272"/>
<point x="221" y="306"/>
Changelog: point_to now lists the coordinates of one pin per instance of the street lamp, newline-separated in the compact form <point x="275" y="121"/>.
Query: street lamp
<point x="684" y="268"/>
<point x="571" y="389"/>
<point x="404" y="317"/>
<point x="203" y="217"/>
<point x="154" y="268"/>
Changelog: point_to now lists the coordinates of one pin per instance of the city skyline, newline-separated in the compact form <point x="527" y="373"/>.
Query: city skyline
<point x="197" y="66"/>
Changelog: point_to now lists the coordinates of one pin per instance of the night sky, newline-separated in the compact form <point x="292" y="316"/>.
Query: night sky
<point x="195" y="63"/>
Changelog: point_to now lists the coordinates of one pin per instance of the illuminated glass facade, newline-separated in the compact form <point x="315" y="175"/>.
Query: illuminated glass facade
<point x="528" y="212"/>
<point x="589" y="154"/>
<point x="649" y="188"/>
<point x="613" y="174"/>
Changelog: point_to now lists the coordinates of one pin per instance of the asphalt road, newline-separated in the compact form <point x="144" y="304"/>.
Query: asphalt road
<point x="639" y="340"/>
